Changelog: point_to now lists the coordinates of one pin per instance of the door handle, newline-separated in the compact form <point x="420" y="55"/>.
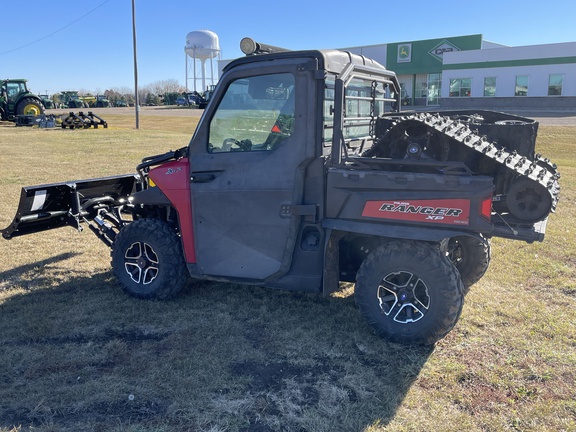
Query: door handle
<point x="202" y="178"/>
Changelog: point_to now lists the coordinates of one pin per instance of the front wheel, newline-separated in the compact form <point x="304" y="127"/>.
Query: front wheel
<point x="148" y="261"/>
<point x="409" y="292"/>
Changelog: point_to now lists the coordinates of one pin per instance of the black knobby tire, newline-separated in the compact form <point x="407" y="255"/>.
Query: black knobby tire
<point x="148" y="261"/>
<point x="528" y="200"/>
<point x="471" y="256"/>
<point x="409" y="292"/>
<point x="30" y="106"/>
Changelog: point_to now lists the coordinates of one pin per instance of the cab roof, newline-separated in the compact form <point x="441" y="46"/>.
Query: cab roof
<point x="330" y="60"/>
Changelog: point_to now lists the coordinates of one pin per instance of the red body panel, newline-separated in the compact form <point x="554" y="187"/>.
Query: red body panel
<point x="173" y="179"/>
<point x="442" y="211"/>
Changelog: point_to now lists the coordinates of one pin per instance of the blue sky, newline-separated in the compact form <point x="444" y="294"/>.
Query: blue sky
<point x="87" y="45"/>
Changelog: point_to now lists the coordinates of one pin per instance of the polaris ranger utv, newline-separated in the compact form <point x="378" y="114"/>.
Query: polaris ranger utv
<point x="302" y="173"/>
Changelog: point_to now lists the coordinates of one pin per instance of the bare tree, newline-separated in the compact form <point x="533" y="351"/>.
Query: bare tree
<point x="165" y="86"/>
<point x="125" y="94"/>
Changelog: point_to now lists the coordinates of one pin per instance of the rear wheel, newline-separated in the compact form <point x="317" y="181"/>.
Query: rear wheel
<point x="471" y="256"/>
<point x="409" y="292"/>
<point x="30" y="106"/>
<point x="148" y="261"/>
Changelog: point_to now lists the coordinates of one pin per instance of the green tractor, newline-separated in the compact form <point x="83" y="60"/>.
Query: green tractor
<point x="16" y="100"/>
<point x="47" y="101"/>
<point x="71" y="99"/>
<point x="101" y="102"/>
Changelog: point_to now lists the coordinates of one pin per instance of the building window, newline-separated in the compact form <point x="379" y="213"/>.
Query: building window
<point x="460" y="87"/>
<point x="490" y="86"/>
<point x="521" y="85"/>
<point x="555" y="85"/>
<point x="422" y="90"/>
<point x="434" y="89"/>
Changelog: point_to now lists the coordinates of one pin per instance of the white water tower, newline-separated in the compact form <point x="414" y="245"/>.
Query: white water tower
<point x="201" y="45"/>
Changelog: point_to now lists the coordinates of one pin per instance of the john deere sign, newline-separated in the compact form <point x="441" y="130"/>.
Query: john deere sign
<point x="405" y="53"/>
<point x="426" y="56"/>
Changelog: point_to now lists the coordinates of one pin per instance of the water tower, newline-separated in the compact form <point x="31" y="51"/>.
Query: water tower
<point x="201" y="45"/>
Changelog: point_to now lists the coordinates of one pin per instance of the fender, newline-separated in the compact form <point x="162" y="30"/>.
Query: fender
<point x="151" y="196"/>
<point x="28" y="95"/>
<point x="172" y="180"/>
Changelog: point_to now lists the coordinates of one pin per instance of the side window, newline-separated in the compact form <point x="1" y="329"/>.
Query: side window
<point x="255" y="114"/>
<point x="13" y="90"/>
<point x="328" y="110"/>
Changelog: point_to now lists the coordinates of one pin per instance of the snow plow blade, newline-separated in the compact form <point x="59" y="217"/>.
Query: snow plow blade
<point x="50" y="206"/>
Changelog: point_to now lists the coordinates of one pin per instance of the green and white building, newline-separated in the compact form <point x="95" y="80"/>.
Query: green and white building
<point x="467" y="71"/>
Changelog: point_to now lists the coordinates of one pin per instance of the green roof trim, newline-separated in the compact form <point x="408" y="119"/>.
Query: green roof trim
<point x="511" y="63"/>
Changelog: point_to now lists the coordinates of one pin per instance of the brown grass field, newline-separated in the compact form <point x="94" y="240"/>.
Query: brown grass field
<point x="77" y="354"/>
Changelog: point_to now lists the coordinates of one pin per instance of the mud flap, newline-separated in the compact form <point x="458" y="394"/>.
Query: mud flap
<point x="55" y="205"/>
<point x="331" y="274"/>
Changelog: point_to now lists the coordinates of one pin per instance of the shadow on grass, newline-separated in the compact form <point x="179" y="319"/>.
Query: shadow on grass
<point x="84" y="356"/>
<point x="16" y="271"/>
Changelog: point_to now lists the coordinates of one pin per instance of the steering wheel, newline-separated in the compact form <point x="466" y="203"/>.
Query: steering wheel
<point x="244" y="145"/>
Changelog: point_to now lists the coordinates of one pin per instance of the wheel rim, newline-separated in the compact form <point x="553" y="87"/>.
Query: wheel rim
<point x="528" y="200"/>
<point x="141" y="263"/>
<point x="32" y="109"/>
<point x="403" y="297"/>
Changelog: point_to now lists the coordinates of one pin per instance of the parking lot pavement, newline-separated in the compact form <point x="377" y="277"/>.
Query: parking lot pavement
<point x="550" y="118"/>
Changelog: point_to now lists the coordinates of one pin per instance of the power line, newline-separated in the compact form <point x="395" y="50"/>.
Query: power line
<point x="54" y="32"/>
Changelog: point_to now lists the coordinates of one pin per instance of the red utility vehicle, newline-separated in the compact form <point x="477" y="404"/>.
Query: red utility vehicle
<point x="302" y="173"/>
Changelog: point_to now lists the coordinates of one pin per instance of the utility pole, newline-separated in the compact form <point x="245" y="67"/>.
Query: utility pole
<point x="136" y="99"/>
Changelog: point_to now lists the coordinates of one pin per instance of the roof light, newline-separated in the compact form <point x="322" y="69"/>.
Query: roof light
<point x="248" y="46"/>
